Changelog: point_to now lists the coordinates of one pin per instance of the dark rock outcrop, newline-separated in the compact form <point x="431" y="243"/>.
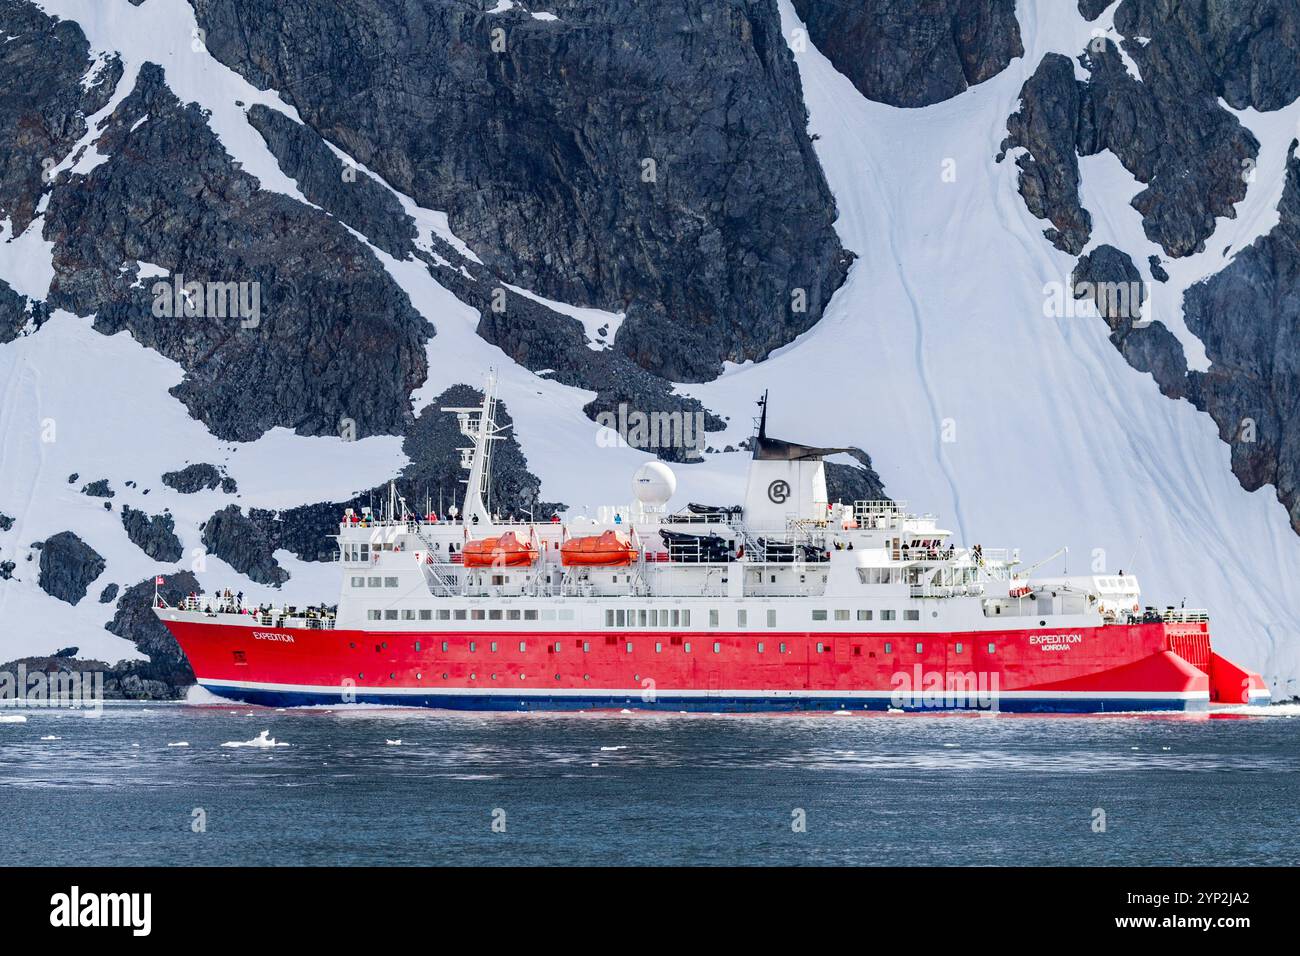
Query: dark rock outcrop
<point x="193" y="478"/>
<point x="7" y="570"/>
<point x="68" y="565"/>
<point x="18" y="312"/>
<point x="43" y="112"/>
<point x="6" y="522"/>
<point x="245" y="543"/>
<point x="1108" y="277"/>
<point x="850" y="483"/>
<point x="1248" y="317"/>
<point x="155" y="536"/>
<point x="108" y="595"/>
<point x="313" y="326"/>
<point x="914" y="52"/>
<point x="99" y="489"/>
<point x="1192" y="154"/>
<point x="1045" y="127"/>
<point x="647" y="158"/>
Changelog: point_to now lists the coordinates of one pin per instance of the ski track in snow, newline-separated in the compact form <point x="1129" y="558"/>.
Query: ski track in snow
<point x="1058" y="440"/>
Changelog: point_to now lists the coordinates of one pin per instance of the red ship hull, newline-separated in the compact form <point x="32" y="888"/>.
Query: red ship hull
<point x="1116" y="668"/>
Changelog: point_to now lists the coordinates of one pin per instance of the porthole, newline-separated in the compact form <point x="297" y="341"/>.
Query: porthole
<point x="392" y="676"/>
<point x="494" y="676"/>
<point x="586" y="677"/>
<point x="473" y="677"/>
<point x="444" y="676"/>
<point x="419" y="676"/>
<point x="557" y="676"/>
<point x="522" y="677"/>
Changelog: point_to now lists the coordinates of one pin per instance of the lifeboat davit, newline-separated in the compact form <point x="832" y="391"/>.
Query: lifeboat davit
<point x="609" y="550"/>
<point x="503" y="551"/>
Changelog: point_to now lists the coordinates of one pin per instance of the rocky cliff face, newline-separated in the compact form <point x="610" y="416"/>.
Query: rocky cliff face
<point x="650" y="158"/>
<point x="1169" y="127"/>
<point x="914" y="52"/>
<point x="290" y="307"/>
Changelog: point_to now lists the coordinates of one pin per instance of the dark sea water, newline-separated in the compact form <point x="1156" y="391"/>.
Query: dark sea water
<point x="887" y="789"/>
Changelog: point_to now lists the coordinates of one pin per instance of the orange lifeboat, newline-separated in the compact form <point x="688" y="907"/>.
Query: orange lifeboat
<point x="503" y="551"/>
<point x="609" y="550"/>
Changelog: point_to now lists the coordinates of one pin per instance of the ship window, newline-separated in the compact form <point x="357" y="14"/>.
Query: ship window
<point x="819" y="615"/>
<point x="760" y="647"/>
<point x="864" y="615"/>
<point x="530" y="614"/>
<point x="659" y="647"/>
<point x="781" y="647"/>
<point x="473" y="646"/>
<point x="717" y="647"/>
<point x="426" y="614"/>
<point x="493" y="647"/>
<point x="476" y="614"/>
<point x="557" y="648"/>
<point x="993" y="649"/>
<point x="390" y="582"/>
<point x="742" y="618"/>
<point x="566" y="614"/>
<point x="629" y="647"/>
<point x="889" y="647"/>
<point x="390" y="615"/>
<point x="498" y="579"/>
<point x="512" y="615"/>
<point x="841" y="614"/>
<point x="444" y="614"/>
<point x="713" y="618"/>
<point x="958" y="647"/>
<point x="494" y="614"/>
<point x="620" y="617"/>
<point x="686" y="648"/>
<point x="586" y="647"/>
<point x="640" y="618"/>
<point x="523" y="646"/>
<point x="417" y="645"/>
<point x="408" y="614"/>
<point x="365" y="552"/>
<point x="686" y="618"/>
<point x="820" y="647"/>
<point x="372" y="615"/>
<point x="920" y="648"/>
<point x="459" y="614"/>
<point x="548" y="615"/>
<point x="888" y="615"/>
<point x="911" y="615"/>
<point x="376" y="582"/>
<point x="609" y="617"/>
<point x="444" y="646"/>
<point x="358" y="582"/>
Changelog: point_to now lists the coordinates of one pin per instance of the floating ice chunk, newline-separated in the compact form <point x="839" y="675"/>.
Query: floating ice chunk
<point x="12" y="719"/>
<point x="51" y="737"/>
<point x="393" y="743"/>
<point x="264" y="739"/>
<point x="180" y="743"/>
<point x="620" y="747"/>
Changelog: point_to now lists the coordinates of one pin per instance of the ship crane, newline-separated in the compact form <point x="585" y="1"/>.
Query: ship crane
<point x="1018" y="584"/>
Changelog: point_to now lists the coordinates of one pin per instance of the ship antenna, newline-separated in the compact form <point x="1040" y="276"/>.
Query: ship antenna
<point x="762" y="417"/>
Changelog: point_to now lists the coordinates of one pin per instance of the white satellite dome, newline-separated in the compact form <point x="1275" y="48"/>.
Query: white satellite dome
<point x="654" y="483"/>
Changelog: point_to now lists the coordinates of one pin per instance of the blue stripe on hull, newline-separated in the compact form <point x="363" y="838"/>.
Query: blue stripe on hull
<point x="720" y="704"/>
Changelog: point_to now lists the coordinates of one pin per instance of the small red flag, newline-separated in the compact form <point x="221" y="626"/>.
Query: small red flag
<point x="159" y="580"/>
